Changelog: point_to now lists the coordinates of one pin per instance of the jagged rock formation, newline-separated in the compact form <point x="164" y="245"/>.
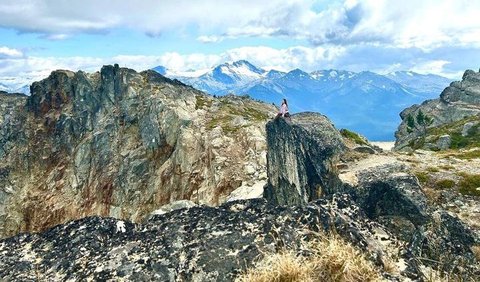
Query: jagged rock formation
<point x="457" y="102"/>
<point x="301" y="156"/>
<point x="120" y="143"/>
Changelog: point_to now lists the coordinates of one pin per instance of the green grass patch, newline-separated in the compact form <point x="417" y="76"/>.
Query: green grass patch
<point x="469" y="184"/>
<point x="355" y="137"/>
<point x="445" y="184"/>
<point x="433" y="169"/>
<point x="255" y="115"/>
<point x="446" y="167"/>
<point x="454" y="129"/>
<point x="468" y="155"/>
<point x="422" y="176"/>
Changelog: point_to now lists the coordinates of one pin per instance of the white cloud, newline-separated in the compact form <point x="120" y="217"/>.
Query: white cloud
<point x="30" y="68"/>
<point x="150" y="16"/>
<point x="425" y="24"/>
<point x="20" y="68"/>
<point x="436" y="67"/>
<point x="210" y="38"/>
<point x="6" y="52"/>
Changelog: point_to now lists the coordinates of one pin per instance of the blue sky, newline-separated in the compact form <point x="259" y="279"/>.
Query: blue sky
<point x="441" y="37"/>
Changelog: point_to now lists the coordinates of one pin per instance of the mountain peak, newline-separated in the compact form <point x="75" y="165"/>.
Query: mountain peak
<point x="298" y="72"/>
<point x="240" y="67"/>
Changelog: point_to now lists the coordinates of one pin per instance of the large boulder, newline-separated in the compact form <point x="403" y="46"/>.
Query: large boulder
<point x="301" y="158"/>
<point x="390" y="190"/>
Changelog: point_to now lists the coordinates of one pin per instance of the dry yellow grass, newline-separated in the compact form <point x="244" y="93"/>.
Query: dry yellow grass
<point x="331" y="259"/>
<point x="476" y="252"/>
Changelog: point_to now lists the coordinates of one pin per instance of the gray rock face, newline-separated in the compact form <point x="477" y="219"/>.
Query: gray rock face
<point x="444" y="142"/>
<point x="301" y="157"/>
<point x="120" y="143"/>
<point x="196" y="244"/>
<point x="459" y="100"/>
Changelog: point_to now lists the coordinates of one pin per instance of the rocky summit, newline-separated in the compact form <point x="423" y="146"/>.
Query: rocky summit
<point x="120" y="143"/>
<point x="457" y="109"/>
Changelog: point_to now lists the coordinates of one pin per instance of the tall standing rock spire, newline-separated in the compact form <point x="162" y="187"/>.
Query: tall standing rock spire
<point x="301" y="158"/>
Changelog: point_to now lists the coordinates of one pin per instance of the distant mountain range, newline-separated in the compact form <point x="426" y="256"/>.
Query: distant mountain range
<point x="365" y="102"/>
<point x="17" y="84"/>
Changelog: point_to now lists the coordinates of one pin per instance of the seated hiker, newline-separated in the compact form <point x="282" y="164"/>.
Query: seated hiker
<point x="283" y="110"/>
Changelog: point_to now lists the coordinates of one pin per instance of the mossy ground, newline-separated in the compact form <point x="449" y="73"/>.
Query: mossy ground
<point x="353" y="136"/>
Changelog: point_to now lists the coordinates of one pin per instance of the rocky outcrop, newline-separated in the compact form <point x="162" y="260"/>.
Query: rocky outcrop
<point x="211" y="244"/>
<point x="120" y="143"/>
<point x="302" y="154"/>
<point x="196" y="244"/>
<point x="457" y="102"/>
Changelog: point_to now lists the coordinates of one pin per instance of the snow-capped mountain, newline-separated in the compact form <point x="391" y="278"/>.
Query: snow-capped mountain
<point x="15" y="88"/>
<point x="366" y="102"/>
<point x="226" y="78"/>
<point x="18" y="84"/>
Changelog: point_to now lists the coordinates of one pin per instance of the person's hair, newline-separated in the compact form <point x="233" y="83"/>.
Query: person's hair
<point x="285" y="101"/>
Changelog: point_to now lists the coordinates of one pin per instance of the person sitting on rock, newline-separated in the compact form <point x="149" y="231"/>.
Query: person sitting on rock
<point x="283" y="110"/>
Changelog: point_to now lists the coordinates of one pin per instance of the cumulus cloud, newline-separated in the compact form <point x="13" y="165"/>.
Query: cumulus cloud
<point x="424" y="24"/>
<point x="150" y="16"/>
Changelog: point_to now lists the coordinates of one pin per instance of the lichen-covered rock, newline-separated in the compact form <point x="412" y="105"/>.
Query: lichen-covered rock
<point x="459" y="100"/>
<point x="121" y="143"/>
<point x="196" y="244"/>
<point x="302" y="156"/>
<point x="447" y="243"/>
